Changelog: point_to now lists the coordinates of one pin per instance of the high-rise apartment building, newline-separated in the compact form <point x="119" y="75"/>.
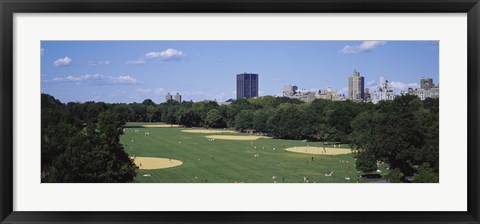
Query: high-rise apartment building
<point x="427" y="89"/>
<point x="178" y="97"/>
<point x="168" y="97"/>
<point x="356" y="84"/>
<point x="426" y="83"/>
<point x="247" y="85"/>
<point x="367" y="96"/>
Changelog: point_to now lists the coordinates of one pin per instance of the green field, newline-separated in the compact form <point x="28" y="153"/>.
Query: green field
<point x="227" y="161"/>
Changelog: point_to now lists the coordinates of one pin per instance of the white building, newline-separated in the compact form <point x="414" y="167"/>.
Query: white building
<point x="304" y="96"/>
<point x="168" y="97"/>
<point x="309" y="96"/>
<point x="427" y="93"/>
<point x="289" y="90"/>
<point x="178" y="97"/>
<point x="384" y="92"/>
<point x="427" y="90"/>
<point x="329" y="94"/>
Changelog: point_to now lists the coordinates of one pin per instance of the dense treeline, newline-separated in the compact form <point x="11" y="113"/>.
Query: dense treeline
<point x="83" y="147"/>
<point x="402" y="132"/>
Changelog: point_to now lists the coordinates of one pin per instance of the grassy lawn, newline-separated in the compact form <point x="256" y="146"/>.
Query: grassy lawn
<point x="227" y="161"/>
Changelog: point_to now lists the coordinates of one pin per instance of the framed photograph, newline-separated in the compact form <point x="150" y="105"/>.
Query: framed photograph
<point x="247" y="112"/>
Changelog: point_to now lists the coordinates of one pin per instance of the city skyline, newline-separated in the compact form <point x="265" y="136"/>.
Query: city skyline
<point x="131" y="71"/>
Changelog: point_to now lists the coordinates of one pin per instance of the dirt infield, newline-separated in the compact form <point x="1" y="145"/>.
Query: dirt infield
<point x="235" y="137"/>
<point x="153" y="163"/>
<point x="319" y="150"/>
<point x="205" y="131"/>
<point x="160" y="126"/>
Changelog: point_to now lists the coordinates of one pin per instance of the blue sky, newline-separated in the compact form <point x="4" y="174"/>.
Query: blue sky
<point x="131" y="71"/>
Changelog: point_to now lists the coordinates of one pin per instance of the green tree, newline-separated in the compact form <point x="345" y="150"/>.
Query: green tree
<point x="262" y="102"/>
<point x="204" y="107"/>
<point x="75" y="151"/>
<point x="365" y="130"/>
<point x="366" y="162"/>
<point x="395" y="176"/>
<point x="151" y="112"/>
<point x="125" y="111"/>
<point x="338" y="117"/>
<point x="401" y="132"/>
<point x="140" y="112"/>
<point x="425" y="174"/>
<point x="223" y="110"/>
<point x="260" y="119"/>
<point x="57" y="127"/>
<point x="284" y="100"/>
<point x="316" y="119"/>
<point x="171" y="116"/>
<point x="214" y="119"/>
<point x="288" y="122"/>
<point x="432" y="104"/>
<point x="148" y="102"/>
<point x="91" y="110"/>
<point x="244" y="120"/>
<point x="189" y="117"/>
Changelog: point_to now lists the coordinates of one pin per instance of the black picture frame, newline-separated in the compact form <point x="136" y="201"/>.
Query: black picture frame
<point x="9" y="7"/>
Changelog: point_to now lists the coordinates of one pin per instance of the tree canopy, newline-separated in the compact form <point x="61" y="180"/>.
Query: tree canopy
<point x="78" y="147"/>
<point x="404" y="133"/>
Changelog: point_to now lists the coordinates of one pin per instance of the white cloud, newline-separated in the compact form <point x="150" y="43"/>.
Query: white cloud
<point x="159" y="91"/>
<point x="403" y="86"/>
<point x="42" y="51"/>
<point x="73" y="78"/>
<point x="62" y="62"/>
<point x="372" y="83"/>
<point x="98" y="63"/>
<point x="124" y="79"/>
<point x="152" y="54"/>
<point x="365" y="46"/>
<point x="99" y="79"/>
<point x="136" y="62"/>
<point x="166" y="55"/>
<point x="141" y="90"/>
<point x="197" y="93"/>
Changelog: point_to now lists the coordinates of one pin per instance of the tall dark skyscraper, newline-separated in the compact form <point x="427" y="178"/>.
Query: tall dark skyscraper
<point x="247" y="85"/>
